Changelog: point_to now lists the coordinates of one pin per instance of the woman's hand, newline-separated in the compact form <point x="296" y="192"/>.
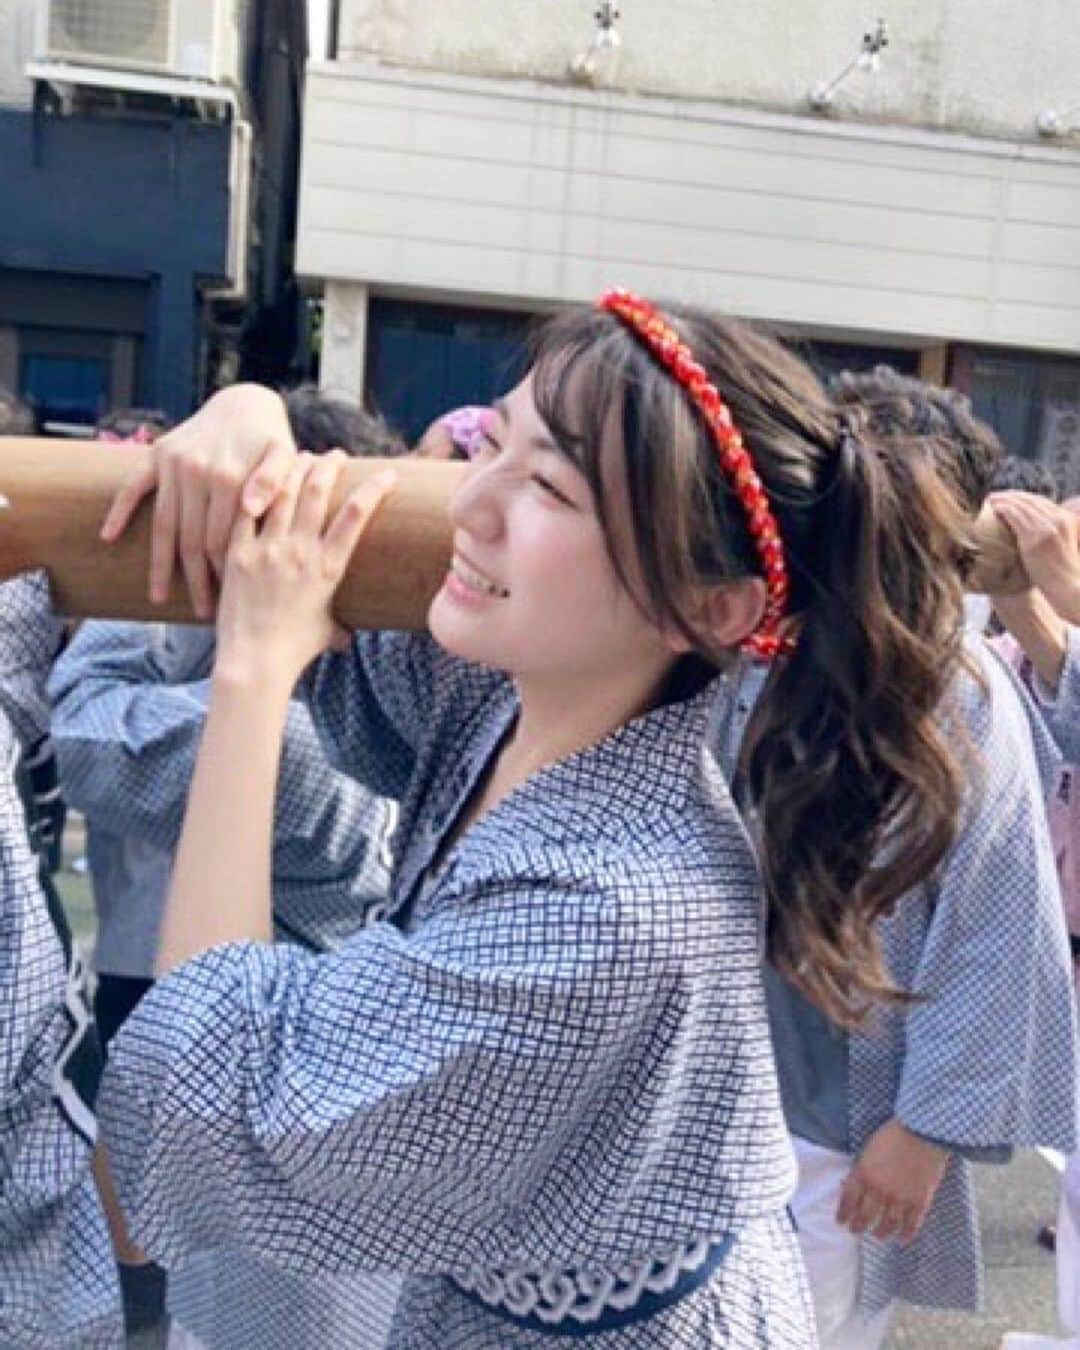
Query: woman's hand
<point x="234" y="453"/>
<point x="274" y="615"/>
<point x="889" y="1191"/>
<point x="1048" y="538"/>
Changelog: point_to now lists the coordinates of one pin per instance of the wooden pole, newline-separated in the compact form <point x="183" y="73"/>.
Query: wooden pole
<point x="58" y="492"/>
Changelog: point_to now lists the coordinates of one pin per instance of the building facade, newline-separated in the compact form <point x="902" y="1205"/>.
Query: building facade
<point x="147" y="242"/>
<point x="457" y="178"/>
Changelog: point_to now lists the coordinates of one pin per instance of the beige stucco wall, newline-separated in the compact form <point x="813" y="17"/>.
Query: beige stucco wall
<point x="986" y="66"/>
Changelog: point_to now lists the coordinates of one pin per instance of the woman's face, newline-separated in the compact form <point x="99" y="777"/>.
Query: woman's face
<point x="532" y="589"/>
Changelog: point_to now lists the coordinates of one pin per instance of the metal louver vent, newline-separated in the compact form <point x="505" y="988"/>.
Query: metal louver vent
<point x="122" y="32"/>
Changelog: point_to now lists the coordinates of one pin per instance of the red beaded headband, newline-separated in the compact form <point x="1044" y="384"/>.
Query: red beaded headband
<point x="656" y="333"/>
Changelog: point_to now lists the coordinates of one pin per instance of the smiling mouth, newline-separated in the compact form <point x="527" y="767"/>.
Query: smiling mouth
<point x="476" y="581"/>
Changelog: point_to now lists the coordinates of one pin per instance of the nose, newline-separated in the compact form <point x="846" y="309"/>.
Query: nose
<point x="477" y="506"/>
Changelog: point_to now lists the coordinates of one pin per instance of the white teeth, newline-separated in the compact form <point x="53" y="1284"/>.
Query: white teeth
<point x="475" y="581"/>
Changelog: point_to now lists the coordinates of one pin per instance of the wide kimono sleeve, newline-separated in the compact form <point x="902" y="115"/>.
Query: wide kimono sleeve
<point x="991" y="1049"/>
<point x="57" y="1275"/>
<point x="374" y="704"/>
<point x="402" y="1103"/>
<point x="1061" y="706"/>
<point x="127" y="720"/>
<point x="30" y="636"/>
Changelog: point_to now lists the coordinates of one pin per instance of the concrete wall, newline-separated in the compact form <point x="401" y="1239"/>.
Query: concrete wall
<point x="517" y="192"/>
<point x="985" y="66"/>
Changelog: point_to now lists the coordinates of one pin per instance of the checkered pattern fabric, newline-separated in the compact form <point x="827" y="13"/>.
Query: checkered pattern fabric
<point x="30" y="636"/>
<point x="1061" y="706"/>
<point x="229" y="1299"/>
<point x="988" y="1059"/>
<point x="129" y="706"/>
<point x="57" y="1278"/>
<point x="553" y="1056"/>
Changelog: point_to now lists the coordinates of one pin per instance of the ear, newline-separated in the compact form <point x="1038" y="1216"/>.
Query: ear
<point x="726" y="613"/>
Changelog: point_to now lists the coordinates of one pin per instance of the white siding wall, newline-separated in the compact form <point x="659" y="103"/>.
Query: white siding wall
<point x="986" y="66"/>
<point x="529" y="193"/>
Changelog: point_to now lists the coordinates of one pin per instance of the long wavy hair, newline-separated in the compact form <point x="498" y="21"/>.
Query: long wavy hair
<point x="857" y="792"/>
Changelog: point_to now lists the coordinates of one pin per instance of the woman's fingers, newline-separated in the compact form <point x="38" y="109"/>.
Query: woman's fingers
<point x="314" y="504"/>
<point x="221" y="515"/>
<point x="352" y="519"/>
<point x="163" y="534"/>
<point x="268" y="477"/>
<point x="281" y="517"/>
<point x="1032" y="518"/>
<point x="192" y="538"/>
<point x="138" y="484"/>
<point x="911" y="1221"/>
<point x="889" y="1222"/>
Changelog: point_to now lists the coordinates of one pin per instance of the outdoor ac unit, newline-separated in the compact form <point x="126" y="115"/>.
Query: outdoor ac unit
<point x="193" y="39"/>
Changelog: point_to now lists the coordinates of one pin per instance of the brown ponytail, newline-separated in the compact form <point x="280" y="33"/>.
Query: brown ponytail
<point x="857" y="791"/>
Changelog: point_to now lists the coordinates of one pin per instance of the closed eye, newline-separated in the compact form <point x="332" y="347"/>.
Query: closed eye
<point x="549" y="487"/>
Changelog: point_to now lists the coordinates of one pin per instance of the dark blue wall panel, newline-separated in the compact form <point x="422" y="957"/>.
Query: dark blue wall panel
<point x="130" y="199"/>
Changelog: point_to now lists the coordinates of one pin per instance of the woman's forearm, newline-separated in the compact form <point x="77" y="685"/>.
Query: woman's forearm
<point x="221" y="883"/>
<point x="1040" y="632"/>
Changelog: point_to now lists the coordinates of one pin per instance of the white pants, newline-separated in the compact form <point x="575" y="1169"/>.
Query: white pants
<point x="1068" y="1247"/>
<point x="831" y="1253"/>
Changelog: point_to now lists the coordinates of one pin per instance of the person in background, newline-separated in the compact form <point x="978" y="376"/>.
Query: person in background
<point x="1045" y="649"/>
<point x="129" y="707"/>
<point x="58" y="1286"/>
<point x="454" y="435"/>
<point x="885" y="1119"/>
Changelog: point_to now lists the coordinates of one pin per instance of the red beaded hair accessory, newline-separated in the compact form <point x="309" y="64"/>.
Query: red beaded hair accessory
<point x="650" y="327"/>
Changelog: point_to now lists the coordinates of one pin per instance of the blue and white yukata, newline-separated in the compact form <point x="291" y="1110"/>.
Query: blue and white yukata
<point x="130" y="703"/>
<point x="128" y="712"/>
<point x="987" y="1063"/>
<point x="58" y="1286"/>
<point x="542" y="1089"/>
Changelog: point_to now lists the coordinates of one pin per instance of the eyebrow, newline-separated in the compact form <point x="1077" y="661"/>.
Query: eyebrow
<point x="501" y="406"/>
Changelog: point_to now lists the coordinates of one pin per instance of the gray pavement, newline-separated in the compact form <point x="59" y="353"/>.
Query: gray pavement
<point x="1013" y="1202"/>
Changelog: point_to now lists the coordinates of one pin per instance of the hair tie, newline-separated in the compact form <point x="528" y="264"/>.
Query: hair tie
<point x="661" y="340"/>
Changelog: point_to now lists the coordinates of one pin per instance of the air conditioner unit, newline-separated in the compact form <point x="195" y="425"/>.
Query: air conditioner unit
<point x="193" y="39"/>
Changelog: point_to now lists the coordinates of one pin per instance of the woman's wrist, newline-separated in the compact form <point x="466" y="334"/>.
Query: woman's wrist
<point x="1041" y="634"/>
<point x="250" y="682"/>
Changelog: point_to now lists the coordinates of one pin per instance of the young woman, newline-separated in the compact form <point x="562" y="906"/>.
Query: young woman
<point x="544" y="1087"/>
<point x="885" y="1119"/>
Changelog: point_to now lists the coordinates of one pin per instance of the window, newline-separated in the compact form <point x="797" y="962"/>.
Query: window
<point x="1033" y="402"/>
<point x="426" y="359"/>
<point x="830" y="358"/>
<point x="65" y="390"/>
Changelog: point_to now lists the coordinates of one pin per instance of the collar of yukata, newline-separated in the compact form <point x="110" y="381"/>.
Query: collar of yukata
<point x="657" y="335"/>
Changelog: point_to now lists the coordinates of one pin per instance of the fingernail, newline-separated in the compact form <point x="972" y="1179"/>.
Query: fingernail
<point x="4" y="502"/>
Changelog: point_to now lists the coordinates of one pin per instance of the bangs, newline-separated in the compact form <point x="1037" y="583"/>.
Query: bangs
<point x="578" y="351"/>
<point x="624" y="424"/>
